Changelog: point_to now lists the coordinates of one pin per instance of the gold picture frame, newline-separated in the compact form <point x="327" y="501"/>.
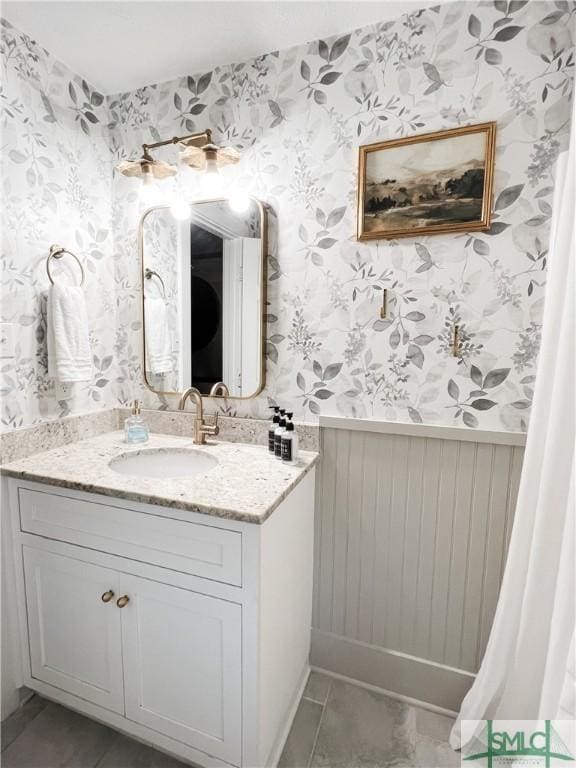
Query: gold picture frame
<point x="397" y="187"/>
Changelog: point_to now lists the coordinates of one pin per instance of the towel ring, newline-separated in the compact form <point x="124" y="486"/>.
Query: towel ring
<point x="56" y="252"/>
<point x="149" y="273"/>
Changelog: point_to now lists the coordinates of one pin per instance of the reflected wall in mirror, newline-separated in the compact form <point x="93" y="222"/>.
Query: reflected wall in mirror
<point x="203" y="298"/>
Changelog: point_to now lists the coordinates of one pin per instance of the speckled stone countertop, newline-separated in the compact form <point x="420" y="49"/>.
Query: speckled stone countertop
<point x="246" y="485"/>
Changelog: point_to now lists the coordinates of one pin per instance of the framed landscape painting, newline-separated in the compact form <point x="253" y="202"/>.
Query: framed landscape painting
<point x="427" y="184"/>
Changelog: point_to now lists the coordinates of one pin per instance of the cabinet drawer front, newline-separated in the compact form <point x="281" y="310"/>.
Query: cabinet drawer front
<point x="201" y="550"/>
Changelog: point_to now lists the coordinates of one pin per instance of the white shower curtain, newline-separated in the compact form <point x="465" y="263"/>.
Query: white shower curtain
<point x="528" y="671"/>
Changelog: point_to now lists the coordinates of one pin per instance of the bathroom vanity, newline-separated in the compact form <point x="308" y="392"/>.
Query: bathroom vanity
<point x="174" y="609"/>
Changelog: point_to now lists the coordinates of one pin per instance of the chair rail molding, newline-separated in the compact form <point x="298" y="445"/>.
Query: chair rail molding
<point x="440" y="431"/>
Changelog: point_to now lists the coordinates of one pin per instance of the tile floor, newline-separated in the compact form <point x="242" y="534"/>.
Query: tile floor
<point x="337" y="725"/>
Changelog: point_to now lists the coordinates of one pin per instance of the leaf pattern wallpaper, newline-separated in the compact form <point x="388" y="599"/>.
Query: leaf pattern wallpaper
<point x="298" y="116"/>
<point x="56" y="183"/>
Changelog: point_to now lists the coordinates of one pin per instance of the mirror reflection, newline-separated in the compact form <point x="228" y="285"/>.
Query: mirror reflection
<point x="203" y="294"/>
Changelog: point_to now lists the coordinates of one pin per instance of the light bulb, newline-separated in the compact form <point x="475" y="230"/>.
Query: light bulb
<point x="180" y="210"/>
<point x="149" y="192"/>
<point x="211" y="164"/>
<point x="239" y="202"/>
<point x="212" y="181"/>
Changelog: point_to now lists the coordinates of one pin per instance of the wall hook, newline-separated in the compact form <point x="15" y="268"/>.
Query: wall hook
<point x="384" y="307"/>
<point x="456" y="341"/>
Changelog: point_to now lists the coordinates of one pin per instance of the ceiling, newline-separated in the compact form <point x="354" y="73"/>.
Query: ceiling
<point x="118" y="46"/>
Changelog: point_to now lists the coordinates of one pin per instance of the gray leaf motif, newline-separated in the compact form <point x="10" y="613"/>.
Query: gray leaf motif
<point x="433" y="75"/>
<point x="49" y="117"/>
<point x="331" y="371"/>
<point x="425" y="256"/>
<point x="497" y="228"/>
<point x="476" y="375"/>
<point x="552" y="18"/>
<point x="474" y="26"/>
<point x="323" y="50"/>
<point x="492" y="56"/>
<point x="516" y="5"/>
<point x="204" y="82"/>
<point x="415" y="355"/>
<point x="482" y="404"/>
<point x="521" y="404"/>
<point x="16" y="156"/>
<point x="507" y="33"/>
<point x="326" y="242"/>
<point x="508" y="196"/>
<point x="271" y="352"/>
<point x="336" y="216"/>
<point x="414" y="415"/>
<point x="469" y="419"/>
<point x="277" y="112"/>
<point x="339" y="47"/>
<point x="495" y="378"/>
<point x="329" y="78"/>
<point x="453" y="390"/>
<point x="482" y="248"/>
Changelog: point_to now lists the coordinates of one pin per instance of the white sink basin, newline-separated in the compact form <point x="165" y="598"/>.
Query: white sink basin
<point x="163" y="462"/>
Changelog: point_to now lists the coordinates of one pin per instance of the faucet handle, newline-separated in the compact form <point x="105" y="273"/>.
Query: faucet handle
<point x="210" y="426"/>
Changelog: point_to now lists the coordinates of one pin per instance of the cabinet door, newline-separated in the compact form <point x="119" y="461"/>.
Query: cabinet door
<point x="75" y="637"/>
<point x="182" y="665"/>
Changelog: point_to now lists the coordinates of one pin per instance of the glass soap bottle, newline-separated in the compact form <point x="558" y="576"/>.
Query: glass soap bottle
<point x="135" y="428"/>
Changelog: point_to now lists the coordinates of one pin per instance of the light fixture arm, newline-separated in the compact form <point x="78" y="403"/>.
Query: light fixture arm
<point x="192" y="139"/>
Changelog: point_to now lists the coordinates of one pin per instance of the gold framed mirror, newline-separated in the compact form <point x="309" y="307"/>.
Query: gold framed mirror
<point x="204" y="298"/>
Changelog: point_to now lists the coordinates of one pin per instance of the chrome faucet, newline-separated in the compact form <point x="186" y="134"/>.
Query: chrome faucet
<point x="201" y="429"/>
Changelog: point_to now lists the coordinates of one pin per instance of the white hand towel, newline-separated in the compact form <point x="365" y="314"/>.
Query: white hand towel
<point x="69" y="356"/>
<point x="158" y="337"/>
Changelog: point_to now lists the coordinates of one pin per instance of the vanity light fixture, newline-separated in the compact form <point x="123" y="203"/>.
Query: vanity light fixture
<point x="199" y="153"/>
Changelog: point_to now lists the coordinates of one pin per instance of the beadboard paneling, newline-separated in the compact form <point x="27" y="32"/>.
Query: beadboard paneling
<point x="411" y="537"/>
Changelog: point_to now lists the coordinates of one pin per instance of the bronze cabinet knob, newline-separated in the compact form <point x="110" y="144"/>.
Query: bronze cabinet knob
<point x="122" y="601"/>
<point x="107" y="596"/>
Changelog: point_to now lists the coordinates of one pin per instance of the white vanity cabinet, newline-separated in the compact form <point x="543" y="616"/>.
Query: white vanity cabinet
<point x="187" y="631"/>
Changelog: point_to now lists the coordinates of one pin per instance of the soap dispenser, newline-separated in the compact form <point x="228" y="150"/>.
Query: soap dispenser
<point x="279" y="431"/>
<point x="135" y="428"/>
<point x="289" y="442"/>
<point x="272" y="430"/>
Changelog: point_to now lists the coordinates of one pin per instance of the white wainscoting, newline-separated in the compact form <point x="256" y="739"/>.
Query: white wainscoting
<point x="412" y="530"/>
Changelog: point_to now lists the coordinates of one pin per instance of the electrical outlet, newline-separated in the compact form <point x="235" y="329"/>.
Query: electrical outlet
<point x="7" y="341"/>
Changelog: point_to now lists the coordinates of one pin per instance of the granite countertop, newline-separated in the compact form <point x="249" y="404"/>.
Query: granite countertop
<point x="246" y="485"/>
